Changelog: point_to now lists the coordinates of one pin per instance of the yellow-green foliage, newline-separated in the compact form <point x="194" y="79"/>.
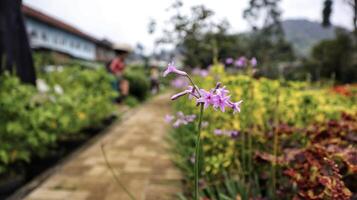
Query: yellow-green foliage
<point x="265" y="101"/>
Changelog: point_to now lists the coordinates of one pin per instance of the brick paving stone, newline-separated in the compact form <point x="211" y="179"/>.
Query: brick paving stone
<point x="135" y="147"/>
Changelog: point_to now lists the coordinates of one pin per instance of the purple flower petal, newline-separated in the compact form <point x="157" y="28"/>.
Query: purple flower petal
<point x="236" y="106"/>
<point x="172" y="69"/>
<point x="253" y="62"/>
<point x="229" y="61"/>
<point x="169" y="118"/>
<point x="178" y="95"/>
<point x="218" y="132"/>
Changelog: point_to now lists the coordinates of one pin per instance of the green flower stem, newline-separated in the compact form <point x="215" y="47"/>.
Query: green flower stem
<point x="197" y="153"/>
<point x="194" y="85"/>
<point x="244" y="155"/>
<point x="111" y="169"/>
<point x="275" y="152"/>
<point x="252" y="126"/>
<point x="275" y="145"/>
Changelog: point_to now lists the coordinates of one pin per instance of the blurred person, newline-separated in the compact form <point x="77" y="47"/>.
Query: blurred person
<point x="117" y="67"/>
<point x="154" y="79"/>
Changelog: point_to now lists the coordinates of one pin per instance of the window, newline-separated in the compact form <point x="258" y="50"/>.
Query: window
<point x="33" y="34"/>
<point x="44" y="36"/>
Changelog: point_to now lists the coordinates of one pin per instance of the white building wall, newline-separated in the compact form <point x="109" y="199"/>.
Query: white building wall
<point x="42" y="35"/>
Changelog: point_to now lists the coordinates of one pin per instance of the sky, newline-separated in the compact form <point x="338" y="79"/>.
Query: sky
<point x="126" y="21"/>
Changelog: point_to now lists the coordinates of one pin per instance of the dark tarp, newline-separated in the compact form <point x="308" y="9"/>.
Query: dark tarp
<point x="15" y="52"/>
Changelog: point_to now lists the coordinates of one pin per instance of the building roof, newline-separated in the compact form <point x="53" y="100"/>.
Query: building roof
<point x="40" y="16"/>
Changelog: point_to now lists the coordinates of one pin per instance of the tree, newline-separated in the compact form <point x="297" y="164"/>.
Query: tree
<point x="196" y="35"/>
<point x="267" y="40"/>
<point x="327" y="11"/>
<point x="267" y="11"/>
<point x="334" y="58"/>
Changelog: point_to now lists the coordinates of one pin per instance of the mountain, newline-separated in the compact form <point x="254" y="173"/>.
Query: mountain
<point x="304" y="34"/>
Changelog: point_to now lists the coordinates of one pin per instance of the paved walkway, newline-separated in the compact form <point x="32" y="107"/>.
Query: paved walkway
<point x="135" y="147"/>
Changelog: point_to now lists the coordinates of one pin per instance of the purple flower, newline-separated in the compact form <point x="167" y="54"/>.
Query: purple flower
<point x="172" y="69"/>
<point x="181" y="119"/>
<point x="178" y="95"/>
<point x="190" y="118"/>
<point x="229" y="61"/>
<point x="234" y="134"/>
<point x="229" y="133"/>
<point x="177" y="123"/>
<point x="203" y="73"/>
<point x="253" y="62"/>
<point x="222" y="91"/>
<point x="169" y="118"/>
<point x="220" y="102"/>
<point x="241" y="62"/>
<point x="218" y="132"/>
<point x="236" y="106"/>
<point x="216" y="97"/>
<point x="207" y="98"/>
<point x="191" y="91"/>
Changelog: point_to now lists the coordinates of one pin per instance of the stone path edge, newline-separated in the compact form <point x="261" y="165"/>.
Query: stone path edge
<point x="33" y="184"/>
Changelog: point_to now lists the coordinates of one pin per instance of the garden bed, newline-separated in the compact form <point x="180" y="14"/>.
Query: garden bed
<point x="16" y="186"/>
<point x="291" y="140"/>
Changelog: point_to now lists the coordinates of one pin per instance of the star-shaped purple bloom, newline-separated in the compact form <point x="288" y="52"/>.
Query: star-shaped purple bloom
<point x="207" y="98"/>
<point x="220" y="102"/>
<point x="222" y="91"/>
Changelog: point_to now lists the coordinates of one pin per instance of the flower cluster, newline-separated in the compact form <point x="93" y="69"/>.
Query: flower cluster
<point x="242" y="62"/>
<point x="230" y="133"/>
<point x="179" y="119"/>
<point x="217" y="97"/>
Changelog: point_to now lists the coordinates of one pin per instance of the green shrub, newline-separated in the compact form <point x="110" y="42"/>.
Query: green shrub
<point x="131" y="101"/>
<point x="31" y="121"/>
<point x="22" y="130"/>
<point x="139" y="82"/>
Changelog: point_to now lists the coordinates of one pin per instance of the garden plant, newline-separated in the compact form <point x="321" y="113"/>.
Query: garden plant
<point x="34" y="120"/>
